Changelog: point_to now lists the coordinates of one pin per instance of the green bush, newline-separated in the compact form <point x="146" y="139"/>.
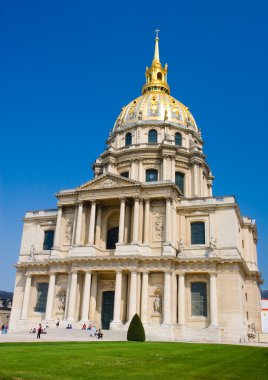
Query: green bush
<point x="135" y="330"/>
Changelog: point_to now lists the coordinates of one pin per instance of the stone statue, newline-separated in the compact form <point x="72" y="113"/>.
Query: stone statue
<point x="140" y="115"/>
<point x="213" y="246"/>
<point x="180" y="247"/>
<point x="157" y="304"/>
<point x="32" y="252"/>
<point x="62" y="302"/>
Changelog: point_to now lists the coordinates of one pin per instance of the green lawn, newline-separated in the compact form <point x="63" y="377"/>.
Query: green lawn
<point x="131" y="360"/>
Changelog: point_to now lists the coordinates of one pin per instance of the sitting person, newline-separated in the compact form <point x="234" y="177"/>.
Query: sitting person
<point x="34" y="330"/>
<point x="84" y="327"/>
<point x="92" y="331"/>
<point x="89" y="327"/>
<point x="99" y="334"/>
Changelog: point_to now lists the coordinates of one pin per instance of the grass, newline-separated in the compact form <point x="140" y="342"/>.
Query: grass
<point x="131" y="360"/>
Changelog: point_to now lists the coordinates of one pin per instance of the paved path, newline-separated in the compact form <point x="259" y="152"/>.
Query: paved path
<point x="75" y="335"/>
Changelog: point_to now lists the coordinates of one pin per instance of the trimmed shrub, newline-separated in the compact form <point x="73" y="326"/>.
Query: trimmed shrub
<point x="135" y="330"/>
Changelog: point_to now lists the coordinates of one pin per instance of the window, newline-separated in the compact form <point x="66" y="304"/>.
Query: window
<point x="199" y="299"/>
<point x="178" y="139"/>
<point x="112" y="238"/>
<point x="125" y="174"/>
<point x="179" y="181"/>
<point x="198" y="233"/>
<point x="151" y="175"/>
<point x="48" y="240"/>
<point x="128" y="139"/>
<point x="41" y="300"/>
<point x="152" y="136"/>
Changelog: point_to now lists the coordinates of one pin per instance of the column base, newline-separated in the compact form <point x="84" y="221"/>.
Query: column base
<point x="214" y="326"/>
<point x="114" y="325"/>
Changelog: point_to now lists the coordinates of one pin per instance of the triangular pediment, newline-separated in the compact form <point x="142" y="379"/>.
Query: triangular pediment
<point x="106" y="181"/>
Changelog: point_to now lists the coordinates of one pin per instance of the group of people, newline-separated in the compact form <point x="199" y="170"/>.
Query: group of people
<point x="69" y="326"/>
<point x="4" y="329"/>
<point x="93" y="331"/>
<point x="40" y="330"/>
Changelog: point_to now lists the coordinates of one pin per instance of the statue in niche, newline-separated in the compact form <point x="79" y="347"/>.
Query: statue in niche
<point x="32" y="252"/>
<point x="158" y="227"/>
<point x="62" y="302"/>
<point x="157" y="304"/>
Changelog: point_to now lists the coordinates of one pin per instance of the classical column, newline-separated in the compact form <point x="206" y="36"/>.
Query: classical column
<point x="181" y="299"/>
<point x="147" y="221"/>
<point x="127" y="224"/>
<point x="93" y="298"/>
<point x="92" y="223"/>
<point x="140" y="171"/>
<point x="86" y="296"/>
<point x="164" y="171"/>
<point x="122" y="221"/>
<point x="50" y="297"/>
<point x="167" y="297"/>
<point x="79" y="223"/>
<point x="98" y="226"/>
<point x="136" y="221"/>
<point x="141" y="211"/>
<point x="58" y="228"/>
<point x="133" y="295"/>
<point x="173" y="169"/>
<point x="26" y="297"/>
<point x="174" y="297"/>
<point x="144" y="298"/>
<point x="118" y="297"/>
<point x="213" y="300"/>
<point x="168" y="214"/>
<point x="72" y="296"/>
<point x="195" y="190"/>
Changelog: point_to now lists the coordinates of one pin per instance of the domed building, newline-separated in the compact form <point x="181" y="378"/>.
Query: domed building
<point x="144" y="236"/>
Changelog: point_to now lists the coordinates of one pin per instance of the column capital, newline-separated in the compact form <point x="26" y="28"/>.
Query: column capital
<point x="93" y="201"/>
<point x="118" y="270"/>
<point x="123" y="199"/>
<point x="212" y="274"/>
<point x="141" y="201"/>
<point x="79" y="203"/>
<point x="28" y="274"/>
<point x="136" y="198"/>
<point x="147" y="200"/>
<point x="73" y="271"/>
<point x="87" y="271"/>
<point x="60" y="206"/>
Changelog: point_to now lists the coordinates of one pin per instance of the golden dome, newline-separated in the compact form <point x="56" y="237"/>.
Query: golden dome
<point x="155" y="106"/>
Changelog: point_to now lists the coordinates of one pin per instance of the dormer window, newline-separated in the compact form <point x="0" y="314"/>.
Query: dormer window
<point x="125" y="174"/>
<point x="151" y="175"/>
<point x="159" y="76"/>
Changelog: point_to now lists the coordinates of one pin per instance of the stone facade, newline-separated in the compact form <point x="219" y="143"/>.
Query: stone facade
<point x="144" y="236"/>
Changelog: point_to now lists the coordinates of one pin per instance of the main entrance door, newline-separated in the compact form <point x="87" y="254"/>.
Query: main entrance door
<point x="107" y="313"/>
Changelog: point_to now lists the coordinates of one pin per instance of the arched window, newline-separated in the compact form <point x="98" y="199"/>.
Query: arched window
<point x="125" y="174"/>
<point x="41" y="300"/>
<point x="128" y="139"/>
<point x="159" y="76"/>
<point x="178" y="139"/>
<point x="199" y="299"/>
<point x="48" y="240"/>
<point x="151" y="175"/>
<point x="179" y="181"/>
<point x="152" y="136"/>
<point x="198" y="233"/>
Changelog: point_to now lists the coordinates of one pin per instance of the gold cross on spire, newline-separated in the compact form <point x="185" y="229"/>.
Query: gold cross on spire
<point x="157" y="31"/>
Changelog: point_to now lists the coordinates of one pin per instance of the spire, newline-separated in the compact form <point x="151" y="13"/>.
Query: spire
<point x="156" y="49"/>
<point x="156" y="75"/>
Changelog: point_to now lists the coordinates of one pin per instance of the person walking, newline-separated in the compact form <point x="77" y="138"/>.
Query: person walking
<point x="39" y="331"/>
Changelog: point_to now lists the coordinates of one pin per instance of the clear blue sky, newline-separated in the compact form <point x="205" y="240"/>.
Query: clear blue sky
<point x="67" y="68"/>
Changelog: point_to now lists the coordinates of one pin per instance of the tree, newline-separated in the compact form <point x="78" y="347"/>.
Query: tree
<point x="136" y="330"/>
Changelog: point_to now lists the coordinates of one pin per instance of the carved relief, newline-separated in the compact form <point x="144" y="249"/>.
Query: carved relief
<point x="61" y="300"/>
<point x="68" y="231"/>
<point x="107" y="183"/>
<point x="158" y="227"/>
<point x="107" y="284"/>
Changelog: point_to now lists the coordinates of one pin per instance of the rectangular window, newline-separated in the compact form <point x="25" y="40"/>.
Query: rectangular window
<point x="199" y="299"/>
<point x="198" y="233"/>
<point x="41" y="301"/>
<point x="48" y="240"/>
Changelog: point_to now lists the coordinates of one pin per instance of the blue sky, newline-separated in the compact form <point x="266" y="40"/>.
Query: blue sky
<point x="67" y="68"/>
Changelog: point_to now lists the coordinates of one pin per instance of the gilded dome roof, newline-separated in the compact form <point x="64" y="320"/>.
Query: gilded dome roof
<point x="155" y="108"/>
<point x="156" y="105"/>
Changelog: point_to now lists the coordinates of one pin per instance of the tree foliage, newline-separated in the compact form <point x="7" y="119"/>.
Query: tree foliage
<point x="136" y="330"/>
